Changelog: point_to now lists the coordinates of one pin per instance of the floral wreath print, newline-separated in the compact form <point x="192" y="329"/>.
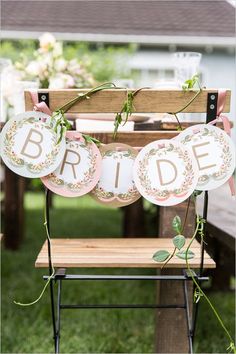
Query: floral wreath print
<point x="110" y="196"/>
<point x="87" y="176"/>
<point x="162" y="195"/>
<point x="132" y="192"/>
<point x="226" y="155"/>
<point x="119" y="154"/>
<point x="9" y="142"/>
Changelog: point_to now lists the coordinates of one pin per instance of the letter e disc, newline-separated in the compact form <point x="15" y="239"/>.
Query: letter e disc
<point x="214" y="153"/>
<point x="116" y="187"/>
<point x="29" y="145"/>
<point x="165" y="172"/>
<point x="79" y="170"/>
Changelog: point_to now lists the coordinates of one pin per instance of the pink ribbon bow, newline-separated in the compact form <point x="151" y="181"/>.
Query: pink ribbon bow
<point x="39" y="106"/>
<point x="73" y="135"/>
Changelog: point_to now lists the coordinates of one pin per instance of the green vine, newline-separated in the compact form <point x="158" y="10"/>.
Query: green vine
<point x="89" y="139"/>
<point x="128" y="106"/>
<point x="53" y="270"/>
<point x="127" y="109"/>
<point x="188" y="85"/>
<point x="179" y="242"/>
<point x="62" y="124"/>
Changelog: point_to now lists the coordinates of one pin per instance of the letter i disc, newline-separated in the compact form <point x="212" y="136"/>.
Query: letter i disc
<point x="79" y="170"/>
<point x="165" y="172"/>
<point x="213" y="151"/>
<point x="29" y="145"/>
<point x="116" y="187"/>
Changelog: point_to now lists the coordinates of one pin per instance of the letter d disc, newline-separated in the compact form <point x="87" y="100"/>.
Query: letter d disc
<point x="29" y="145"/>
<point x="165" y="172"/>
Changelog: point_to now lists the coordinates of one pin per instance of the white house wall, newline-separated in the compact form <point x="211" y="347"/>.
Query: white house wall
<point x="218" y="70"/>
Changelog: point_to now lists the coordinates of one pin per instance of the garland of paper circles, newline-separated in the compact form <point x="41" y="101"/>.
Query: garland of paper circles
<point x="29" y="145"/>
<point x="79" y="170"/>
<point x="116" y="186"/>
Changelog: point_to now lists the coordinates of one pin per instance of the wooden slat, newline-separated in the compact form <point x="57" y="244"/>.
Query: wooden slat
<point x="134" y="138"/>
<point x="114" y="253"/>
<point x="95" y="243"/>
<point x="148" y="101"/>
<point x="174" y="125"/>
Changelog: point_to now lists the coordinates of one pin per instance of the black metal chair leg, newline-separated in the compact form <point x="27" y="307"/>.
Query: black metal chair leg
<point x="187" y="311"/>
<point x="195" y="315"/>
<point x="57" y="339"/>
<point x="53" y="312"/>
<point x="50" y="266"/>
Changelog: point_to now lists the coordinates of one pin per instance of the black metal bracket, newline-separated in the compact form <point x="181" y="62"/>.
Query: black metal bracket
<point x="212" y="99"/>
<point x="43" y="97"/>
<point x="60" y="273"/>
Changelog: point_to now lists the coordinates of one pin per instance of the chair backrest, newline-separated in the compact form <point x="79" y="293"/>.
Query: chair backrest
<point x="146" y="101"/>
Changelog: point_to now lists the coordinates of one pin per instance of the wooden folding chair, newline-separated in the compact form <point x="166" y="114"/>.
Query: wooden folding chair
<point x="64" y="253"/>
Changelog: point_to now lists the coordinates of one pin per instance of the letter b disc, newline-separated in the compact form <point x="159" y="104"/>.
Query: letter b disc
<point x="29" y="145"/>
<point x="165" y="172"/>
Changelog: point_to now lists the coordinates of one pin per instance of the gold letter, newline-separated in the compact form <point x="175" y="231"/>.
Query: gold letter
<point x="37" y="143"/>
<point x="117" y="174"/>
<point x="160" y="174"/>
<point x="70" y="163"/>
<point x="202" y="155"/>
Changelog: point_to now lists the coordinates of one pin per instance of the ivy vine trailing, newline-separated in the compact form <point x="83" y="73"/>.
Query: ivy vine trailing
<point x="53" y="269"/>
<point x="128" y="105"/>
<point x="188" y="85"/>
<point x="127" y="109"/>
<point x="58" y="116"/>
<point x="179" y="241"/>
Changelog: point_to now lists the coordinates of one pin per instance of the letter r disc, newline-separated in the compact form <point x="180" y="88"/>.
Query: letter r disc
<point x="79" y="170"/>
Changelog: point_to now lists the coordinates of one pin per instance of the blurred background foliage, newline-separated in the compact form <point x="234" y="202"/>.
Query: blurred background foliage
<point x="104" y="62"/>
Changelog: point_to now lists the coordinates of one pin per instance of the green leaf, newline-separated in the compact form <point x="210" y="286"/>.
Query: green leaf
<point x="182" y="254"/>
<point x="179" y="241"/>
<point x="176" y="224"/>
<point x="190" y="83"/>
<point x="161" y="256"/>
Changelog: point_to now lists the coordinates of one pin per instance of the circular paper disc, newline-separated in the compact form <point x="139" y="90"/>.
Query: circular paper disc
<point x="165" y="172"/>
<point x="79" y="170"/>
<point x="29" y="145"/>
<point x="116" y="186"/>
<point x="214" y="153"/>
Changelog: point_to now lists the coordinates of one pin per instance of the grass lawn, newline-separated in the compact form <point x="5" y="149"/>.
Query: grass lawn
<point x="28" y="329"/>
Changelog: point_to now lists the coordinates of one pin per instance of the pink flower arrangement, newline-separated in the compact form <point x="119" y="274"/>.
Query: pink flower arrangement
<point x="51" y="68"/>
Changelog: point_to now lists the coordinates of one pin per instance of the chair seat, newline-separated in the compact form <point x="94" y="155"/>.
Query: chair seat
<point x="115" y="253"/>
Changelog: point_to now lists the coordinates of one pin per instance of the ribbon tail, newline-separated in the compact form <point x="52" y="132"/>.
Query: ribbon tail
<point x="42" y="107"/>
<point x="232" y="186"/>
